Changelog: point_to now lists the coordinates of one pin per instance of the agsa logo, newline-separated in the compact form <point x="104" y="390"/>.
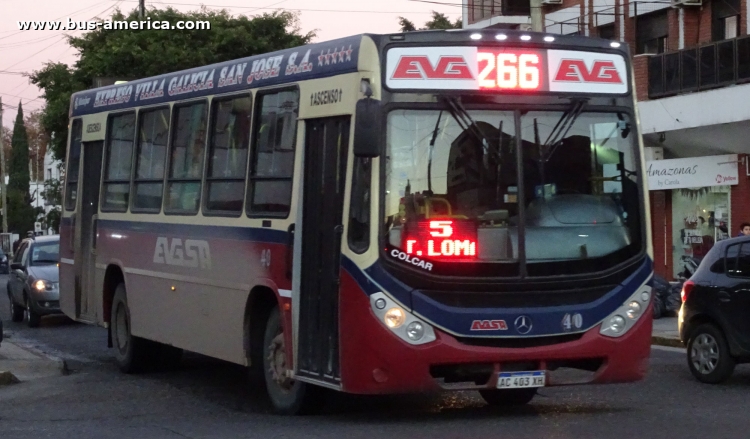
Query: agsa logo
<point x="575" y="70"/>
<point x="420" y="67"/>
<point x="489" y="325"/>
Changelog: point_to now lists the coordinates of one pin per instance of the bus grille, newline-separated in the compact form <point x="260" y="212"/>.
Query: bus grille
<point x="520" y="299"/>
<point x="519" y="342"/>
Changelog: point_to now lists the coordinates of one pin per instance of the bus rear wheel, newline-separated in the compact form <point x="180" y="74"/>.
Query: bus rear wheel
<point x="288" y="396"/>
<point x="131" y="353"/>
<point x="508" y="397"/>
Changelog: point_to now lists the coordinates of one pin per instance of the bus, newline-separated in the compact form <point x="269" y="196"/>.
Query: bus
<point x="458" y="210"/>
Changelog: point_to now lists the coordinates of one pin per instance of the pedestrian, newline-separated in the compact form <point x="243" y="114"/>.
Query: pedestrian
<point x="744" y="229"/>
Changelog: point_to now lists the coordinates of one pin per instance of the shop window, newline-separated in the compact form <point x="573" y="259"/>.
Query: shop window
<point x="699" y="220"/>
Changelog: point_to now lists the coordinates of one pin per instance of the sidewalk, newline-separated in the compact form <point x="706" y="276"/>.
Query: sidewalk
<point x="23" y="364"/>
<point x="665" y="332"/>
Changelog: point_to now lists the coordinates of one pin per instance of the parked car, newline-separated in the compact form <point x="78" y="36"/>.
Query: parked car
<point x="4" y="263"/>
<point x="33" y="284"/>
<point x="713" y="320"/>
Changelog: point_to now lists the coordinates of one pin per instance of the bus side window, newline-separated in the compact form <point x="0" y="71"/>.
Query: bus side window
<point x="227" y="158"/>
<point x="120" y="139"/>
<point x="153" y="130"/>
<point x="74" y="162"/>
<point x="359" y="208"/>
<point x="186" y="159"/>
<point x="270" y="183"/>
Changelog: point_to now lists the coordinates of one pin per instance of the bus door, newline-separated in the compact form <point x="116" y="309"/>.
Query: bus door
<point x="85" y="258"/>
<point x="325" y="155"/>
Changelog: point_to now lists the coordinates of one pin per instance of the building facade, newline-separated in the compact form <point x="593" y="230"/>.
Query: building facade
<point x="691" y="63"/>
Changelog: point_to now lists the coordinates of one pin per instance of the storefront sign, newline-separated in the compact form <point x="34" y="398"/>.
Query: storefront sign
<point x="716" y="170"/>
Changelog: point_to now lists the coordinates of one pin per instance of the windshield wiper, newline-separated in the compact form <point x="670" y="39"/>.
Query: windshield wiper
<point x="432" y="146"/>
<point x="561" y="129"/>
<point x="465" y="121"/>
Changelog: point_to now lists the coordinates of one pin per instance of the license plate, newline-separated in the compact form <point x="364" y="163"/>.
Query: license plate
<point x="519" y="380"/>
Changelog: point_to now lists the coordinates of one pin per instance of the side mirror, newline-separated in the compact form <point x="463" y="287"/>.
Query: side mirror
<point x="16" y="266"/>
<point x="368" y="128"/>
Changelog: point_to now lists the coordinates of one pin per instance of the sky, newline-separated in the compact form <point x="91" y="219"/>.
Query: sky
<point x="26" y="51"/>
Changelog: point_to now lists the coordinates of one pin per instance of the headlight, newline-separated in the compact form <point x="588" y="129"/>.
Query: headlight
<point x="43" y="285"/>
<point x="626" y="316"/>
<point x="400" y="321"/>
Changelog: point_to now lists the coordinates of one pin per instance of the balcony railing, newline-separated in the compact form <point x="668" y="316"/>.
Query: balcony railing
<point x="709" y="66"/>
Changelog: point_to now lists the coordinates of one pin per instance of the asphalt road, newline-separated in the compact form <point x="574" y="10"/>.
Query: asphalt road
<point x="208" y="399"/>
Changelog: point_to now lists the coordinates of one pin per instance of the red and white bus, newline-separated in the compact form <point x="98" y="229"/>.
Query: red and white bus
<point x="375" y="214"/>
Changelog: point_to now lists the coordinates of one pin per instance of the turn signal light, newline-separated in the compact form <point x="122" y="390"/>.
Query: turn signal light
<point x="687" y="287"/>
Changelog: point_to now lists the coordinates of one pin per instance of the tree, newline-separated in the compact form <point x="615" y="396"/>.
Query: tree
<point x="117" y="54"/>
<point x="439" y="21"/>
<point x="21" y="214"/>
<point x="53" y="195"/>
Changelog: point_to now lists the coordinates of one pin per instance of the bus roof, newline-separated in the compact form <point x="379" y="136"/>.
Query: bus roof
<point x="300" y="63"/>
<point x="290" y="65"/>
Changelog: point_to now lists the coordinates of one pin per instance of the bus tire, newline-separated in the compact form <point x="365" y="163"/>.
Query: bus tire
<point x="288" y="397"/>
<point x="131" y="353"/>
<point x="508" y="397"/>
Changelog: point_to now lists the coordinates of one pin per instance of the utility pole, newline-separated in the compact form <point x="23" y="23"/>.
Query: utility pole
<point x="537" y="23"/>
<point x="141" y="8"/>
<point x="2" y="177"/>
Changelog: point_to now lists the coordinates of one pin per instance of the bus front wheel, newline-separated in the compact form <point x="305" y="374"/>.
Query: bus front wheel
<point x="288" y="396"/>
<point x="509" y="397"/>
<point x="131" y="353"/>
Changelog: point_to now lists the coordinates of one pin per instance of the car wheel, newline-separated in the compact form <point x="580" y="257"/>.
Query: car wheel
<point x="288" y="397"/>
<point x="32" y="318"/>
<point x="508" y="397"/>
<point x="131" y="353"/>
<point x="708" y="355"/>
<point x="16" y="311"/>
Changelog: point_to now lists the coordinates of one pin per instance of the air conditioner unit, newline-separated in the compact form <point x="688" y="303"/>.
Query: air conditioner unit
<point x="687" y="2"/>
<point x="552" y="2"/>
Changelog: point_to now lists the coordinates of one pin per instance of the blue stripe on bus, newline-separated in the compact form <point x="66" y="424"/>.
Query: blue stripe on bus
<point x="324" y="59"/>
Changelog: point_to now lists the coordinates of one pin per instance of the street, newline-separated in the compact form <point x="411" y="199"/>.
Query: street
<point x="208" y="399"/>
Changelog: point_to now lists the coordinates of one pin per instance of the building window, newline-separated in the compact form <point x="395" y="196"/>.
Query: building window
<point x="186" y="158"/>
<point x="652" y="32"/>
<point x="153" y="131"/>
<point x="731" y="26"/>
<point x="227" y="162"/>
<point x="74" y="162"/>
<point x="120" y="139"/>
<point x="487" y="8"/>
<point x="275" y="133"/>
<point x="607" y="32"/>
<point x="49" y="174"/>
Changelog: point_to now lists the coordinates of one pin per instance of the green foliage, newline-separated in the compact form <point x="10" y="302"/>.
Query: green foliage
<point x="21" y="214"/>
<point x="439" y="21"/>
<point x="137" y="54"/>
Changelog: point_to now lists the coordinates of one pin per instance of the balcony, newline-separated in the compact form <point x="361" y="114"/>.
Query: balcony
<point x="709" y="66"/>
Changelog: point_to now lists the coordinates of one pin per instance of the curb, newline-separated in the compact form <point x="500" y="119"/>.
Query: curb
<point x="666" y="341"/>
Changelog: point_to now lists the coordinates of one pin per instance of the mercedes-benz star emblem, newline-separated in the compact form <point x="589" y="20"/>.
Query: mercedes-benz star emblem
<point x="523" y="324"/>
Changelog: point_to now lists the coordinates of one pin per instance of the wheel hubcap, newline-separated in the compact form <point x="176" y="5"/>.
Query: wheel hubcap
<point x="277" y="362"/>
<point x="121" y="329"/>
<point x="705" y="354"/>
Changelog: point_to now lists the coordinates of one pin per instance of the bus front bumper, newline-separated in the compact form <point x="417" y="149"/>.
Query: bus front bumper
<point x="375" y="361"/>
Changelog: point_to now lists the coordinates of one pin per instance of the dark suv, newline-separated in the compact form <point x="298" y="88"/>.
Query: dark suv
<point x="714" y="320"/>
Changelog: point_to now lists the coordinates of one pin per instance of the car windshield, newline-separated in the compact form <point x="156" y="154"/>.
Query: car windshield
<point x="45" y="253"/>
<point x="452" y="188"/>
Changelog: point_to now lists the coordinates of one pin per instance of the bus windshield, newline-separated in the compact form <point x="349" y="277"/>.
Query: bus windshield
<point x="452" y="188"/>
